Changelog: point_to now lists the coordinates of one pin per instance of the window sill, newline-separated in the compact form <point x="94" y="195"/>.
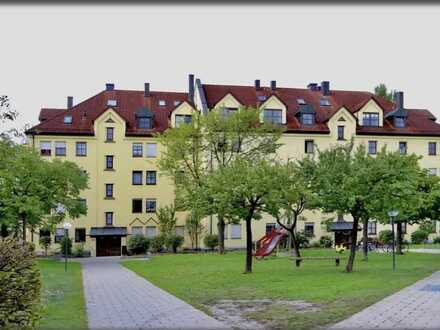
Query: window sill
<point x="109" y="141"/>
<point x="136" y="184"/>
<point x="151" y="211"/>
<point x="151" y="184"/>
<point x="81" y="155"/>
<point x="109" y="198"/>
<point x="109" y="169"/>
<point x="236" y="238"/>
<point x="135" y="156"/>
<point x="60" y="155"/>
<point x="342" y="139"/>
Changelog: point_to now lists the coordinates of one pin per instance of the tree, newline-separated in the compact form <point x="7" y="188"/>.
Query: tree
<point x="194" y="227"/>
<point x="166" y="217"/>
<point x="241" y="191"/>
<point x="8" y="116"/>
<point x="210" y="142"/>
<point x="382" y="90"/>
<point x="45" y="243"/>
<point x="292" y="198"/>
<point x="35" y="192"/>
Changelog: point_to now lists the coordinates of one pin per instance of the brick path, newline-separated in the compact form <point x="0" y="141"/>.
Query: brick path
<point x="117" y="298"/>
<point x="415" y="307"/>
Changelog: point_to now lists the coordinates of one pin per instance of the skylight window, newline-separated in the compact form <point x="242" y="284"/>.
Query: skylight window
<point x="261" y="98"/>
<point x="324" y="102"/>
<point x="301" y="101"/>
<point x="112" y="103"/>
<point x="162" y="103"/>
<point x="176" y="103"/>
<point x="68" y="120"/>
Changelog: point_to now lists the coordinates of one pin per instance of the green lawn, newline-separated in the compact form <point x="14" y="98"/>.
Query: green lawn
<point x="205" y="278"/>
<point x="63" y="298"/>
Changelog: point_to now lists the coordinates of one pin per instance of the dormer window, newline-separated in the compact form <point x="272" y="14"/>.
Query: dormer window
<point x="301" y="101"/>
<point x="261" y="98"/>
<point x="183" y="119"/>
<point x="273" y="116"/>
<point x="399" y="122"/>
<point x="162" y="103"/>
<point x="144" y="118"/>
<point x="112" y="103"/>
<point x="144" y="122"/>
<point x="370" y="119"/>
<point x="67" y="120"/>
<point x="324" y="102"/>
<point x="229" y="111"/>
<point x="307" y="118"/>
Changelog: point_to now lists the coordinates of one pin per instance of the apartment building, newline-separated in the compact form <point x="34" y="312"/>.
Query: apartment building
<point x="111" y="136"/>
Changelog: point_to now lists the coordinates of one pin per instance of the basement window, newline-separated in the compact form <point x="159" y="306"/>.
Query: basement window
<point x="67" y="120"/>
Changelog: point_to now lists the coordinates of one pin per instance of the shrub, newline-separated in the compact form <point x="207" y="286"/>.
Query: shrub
<point x="20" y="286"/>
<point x="302" y="240"/>
<point x="66" y="241"/>
<point x="436" y="240"/>
<point x="138" y="244"/>
<point x="419" y="236"/>
<point x="386" y="236"/>
<point x="79" y="250"/>
<point x="315" y="244"/>
<point x="326" y="241"/>
<point x="211" y="241"/>
<point x="157" y="243"/>
<point x="45" y="243"/>
<point x="173" y="242"/>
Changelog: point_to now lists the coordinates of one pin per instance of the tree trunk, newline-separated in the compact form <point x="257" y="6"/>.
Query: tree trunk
<point x="365" y="239"/>
<point x="399" y="237"/>
<point x="248" y="268"/>
<point x="221" y="234"/>
<point x="353" y="236"/>
<point x="295" y="246"/>
<point x="23" y="219"/>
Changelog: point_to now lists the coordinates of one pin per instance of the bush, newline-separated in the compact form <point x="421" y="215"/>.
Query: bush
<point x="326" y="241"/>
<point x="138" y="244"/>
<point x="173" y="242"/>
<point x="419" y="236"/>
<point x="157" y="243"/>
<point x="66" y="241"/>
<point x="211" y="241"/>
<point x="302" y="240"/>
<point x="20" y="286"/>
<point x="386" y="236"/>
<point x="45" y="243"/>
<point x="436" y="240"/>
<point x="315" y="244"/>
<point x="80" y="252"/>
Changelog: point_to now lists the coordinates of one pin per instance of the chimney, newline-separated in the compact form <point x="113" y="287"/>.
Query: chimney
<point x="325" y="88"/>
<point x="146" y="89"/>
<point x="191" y="88"/>
<point x="313" y="86"/>
<point x="109" y="87"/>
<point x="257" y="85"/>
<point x="398" y="99"/>
<point x="69" y="102"/>
<point x="273" y="85"/>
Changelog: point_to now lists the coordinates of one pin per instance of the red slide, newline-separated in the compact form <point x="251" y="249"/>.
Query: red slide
<point x="268" y="243"/>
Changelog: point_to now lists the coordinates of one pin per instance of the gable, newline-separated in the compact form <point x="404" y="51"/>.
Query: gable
<point x="274" y="102"/>
<point x="183" y="109"/>
<point x="370" y="107"/>
<point x="228" y="101"/>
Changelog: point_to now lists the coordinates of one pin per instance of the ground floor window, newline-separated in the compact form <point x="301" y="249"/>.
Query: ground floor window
<point x="44" y="233"/>
<point x="59" y="233"/>
<point x="80" y="235"/>
<point x="309" y="229"/>
<point x="270" y="227"/>
<point x="404" y="229"/>
<point x="180" y="230"/>
<point x="151" y="231"/>
<point x="372" y="228"/>
<point x="137" y="230"/>
<point x="235" y="231"/>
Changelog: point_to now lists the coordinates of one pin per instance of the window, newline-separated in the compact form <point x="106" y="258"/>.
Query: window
<point x="80" y="235"/>
<point x="59" y="233"/>
<point x="372" y="228"/>
<point x="162" y="103"/>
<point x="81" y="148"/>
<point x="109" y="133"/>
<point x="180" y="231"/>
<point x="108" y="162"/>
<point x="183" y="119"/>
<point x="307" y="118"/>
<point x="309" y="147"/>
<point x="109" y="190"/>
<point x="261" y="98"/>
<point x="309" y="229"/>
<point x="151" y="177"/>
<point x="145" y="122"/>
<point x="432" y="148"/>
<point x="273" y="116"/>
<point x="433" y="227"/>
<point x="341" y="135"/>
<point x="372" y="147"/>
<point x="404" y="229"/>
<point x="83" y="203"/>
<point x="402" y="148"/>
<point x="44" y="233"/>
<point x="370" y="119"/>
<point x="45" y="148"/>
<point x="399" y="122"/>
<point x="432" y="171"/>
<point x="235" y="231"/>
<point x="136" y="206"/>
<point x="137" y="230"/>
<point x="229" y="111"/>
<point x="60" y="148"/>
<point x="324" y="102"/>
<point x="137" y="177"/>
<point x="67" y="120"/>
<point x="151" y="231"/>
<point x="151" y="150"/>
<point x="176" y="103"/>
<point x="301" y="101"/>
<point x="150" y="205"/>
<point x="270" y="227"/>
<point x="112" y="103"/>
<point x="109" y="218"/>
<point x="137" y="150"/>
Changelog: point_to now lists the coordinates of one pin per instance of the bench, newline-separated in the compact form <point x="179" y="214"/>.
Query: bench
<point x="298" y="260"/>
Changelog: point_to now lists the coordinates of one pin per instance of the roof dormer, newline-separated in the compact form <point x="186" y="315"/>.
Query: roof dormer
<point x="399" y="114"/>
<point x="273" y="111"/>
<point x="144" y="118"/>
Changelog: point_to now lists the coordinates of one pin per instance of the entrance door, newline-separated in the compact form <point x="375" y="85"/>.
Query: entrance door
<point x="108" y="246"/>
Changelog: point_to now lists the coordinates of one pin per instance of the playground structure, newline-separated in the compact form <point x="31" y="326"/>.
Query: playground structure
<point x="267" y="244"/>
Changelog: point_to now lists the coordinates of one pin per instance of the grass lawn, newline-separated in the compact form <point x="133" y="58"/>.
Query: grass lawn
<point x="63" y="298"/>
<point x="206" y="278"/>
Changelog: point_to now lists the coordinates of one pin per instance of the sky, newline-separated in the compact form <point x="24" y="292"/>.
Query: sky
<point x="50" y="52"/>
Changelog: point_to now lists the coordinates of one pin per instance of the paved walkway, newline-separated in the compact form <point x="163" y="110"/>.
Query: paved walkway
<point x="415" y="307"/>
<point x="433" y="251"/>
<point x="117" y="298"/>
